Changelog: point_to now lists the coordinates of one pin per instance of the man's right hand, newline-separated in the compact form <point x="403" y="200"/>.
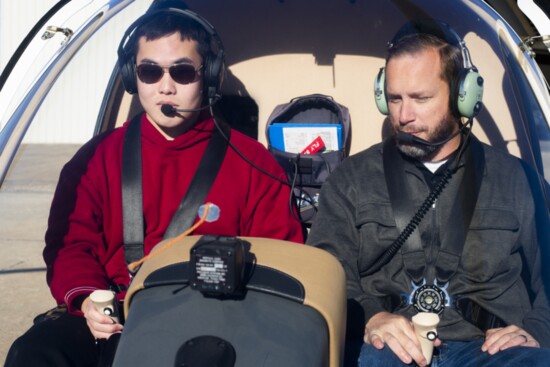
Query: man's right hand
<point x="398" y="333"/>
<point x="100" y="325"/>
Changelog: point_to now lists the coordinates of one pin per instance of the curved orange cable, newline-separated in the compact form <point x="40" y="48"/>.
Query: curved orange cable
<point x="137" y="263"/>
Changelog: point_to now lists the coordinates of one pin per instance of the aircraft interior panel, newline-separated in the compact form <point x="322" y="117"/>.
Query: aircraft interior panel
<point x="278" y="50"/>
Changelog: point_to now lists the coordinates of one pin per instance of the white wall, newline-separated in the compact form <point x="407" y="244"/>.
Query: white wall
<point x="16" y="20"/>
<point x="69" y="111"/>
<point x="536" y="15"/>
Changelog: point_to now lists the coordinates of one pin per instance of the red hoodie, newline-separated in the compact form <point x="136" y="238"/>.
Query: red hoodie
<point x="84" y="240"/>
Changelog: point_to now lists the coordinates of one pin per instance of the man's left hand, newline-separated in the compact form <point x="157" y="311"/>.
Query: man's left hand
<point x="503" y="338"/>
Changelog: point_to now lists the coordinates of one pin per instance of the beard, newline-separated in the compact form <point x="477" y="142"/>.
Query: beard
<point x="425" y="152"/>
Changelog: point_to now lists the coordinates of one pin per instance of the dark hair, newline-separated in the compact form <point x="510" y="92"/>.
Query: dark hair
<point x="167" y="23"/>
<point x="450" y="55"/>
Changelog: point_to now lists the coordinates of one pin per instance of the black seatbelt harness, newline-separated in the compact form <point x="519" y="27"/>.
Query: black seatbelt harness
<point x="430" y="281"/>
<point x="132" y="192"/>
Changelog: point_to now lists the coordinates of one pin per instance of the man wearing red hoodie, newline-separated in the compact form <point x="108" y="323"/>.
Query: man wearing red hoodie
<point x="175" y="72"/>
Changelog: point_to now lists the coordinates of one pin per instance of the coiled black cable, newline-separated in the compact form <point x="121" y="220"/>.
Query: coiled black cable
<point x="419" y="215"/>
<point x="411" y="226"/>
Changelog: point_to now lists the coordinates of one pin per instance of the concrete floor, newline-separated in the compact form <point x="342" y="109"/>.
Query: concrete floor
<point x="25" y="199"/>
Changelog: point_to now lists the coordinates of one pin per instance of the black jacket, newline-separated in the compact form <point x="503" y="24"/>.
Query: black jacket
<point x="355" y="222"/>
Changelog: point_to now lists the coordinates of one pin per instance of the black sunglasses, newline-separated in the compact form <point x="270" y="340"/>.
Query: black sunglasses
<point x="180" y="73"/>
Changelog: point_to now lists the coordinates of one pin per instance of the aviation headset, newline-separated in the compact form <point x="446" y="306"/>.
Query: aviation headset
<point x="213" y="65"/>
<point x="466" y="89"/>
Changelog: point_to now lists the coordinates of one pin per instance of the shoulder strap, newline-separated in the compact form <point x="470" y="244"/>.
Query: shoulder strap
<point x="132" y="203"/>
<point x="202" y="181"/>
<point x="453" y="242"/>
<point x="399" y="193"/>
<point x="132" y="194"/>
<point x="454" y="236"/>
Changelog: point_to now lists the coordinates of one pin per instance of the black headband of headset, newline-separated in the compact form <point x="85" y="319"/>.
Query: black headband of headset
<point x="213" y="71"/>
<point x="438" y="29"/>
<point x="434" y="27"/>
<point x="154" y="12"/>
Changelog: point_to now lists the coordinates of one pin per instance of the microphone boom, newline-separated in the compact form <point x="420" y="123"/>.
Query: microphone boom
<point x="168" y="110"/>
<point x="172" y="111"/>
<point x="411" y="139"/>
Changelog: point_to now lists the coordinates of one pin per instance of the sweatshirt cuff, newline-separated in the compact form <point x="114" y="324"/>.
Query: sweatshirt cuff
<point x="75" y="297"/>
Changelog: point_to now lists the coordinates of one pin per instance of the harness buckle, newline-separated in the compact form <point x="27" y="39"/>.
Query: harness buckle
<point x="429" y="297"/>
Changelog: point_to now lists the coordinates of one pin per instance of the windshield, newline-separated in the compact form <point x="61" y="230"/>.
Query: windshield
<point x="532" y="100"/>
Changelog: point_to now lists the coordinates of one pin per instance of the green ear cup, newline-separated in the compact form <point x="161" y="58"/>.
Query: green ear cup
<point x="380" y="92"/>
<point x="470" y="93"/>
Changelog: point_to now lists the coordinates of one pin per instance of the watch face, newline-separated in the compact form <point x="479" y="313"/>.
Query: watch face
<point x="429" y="298"/>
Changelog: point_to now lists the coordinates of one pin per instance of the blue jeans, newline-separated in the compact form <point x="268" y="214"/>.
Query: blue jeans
<point x="460" y="354"/>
